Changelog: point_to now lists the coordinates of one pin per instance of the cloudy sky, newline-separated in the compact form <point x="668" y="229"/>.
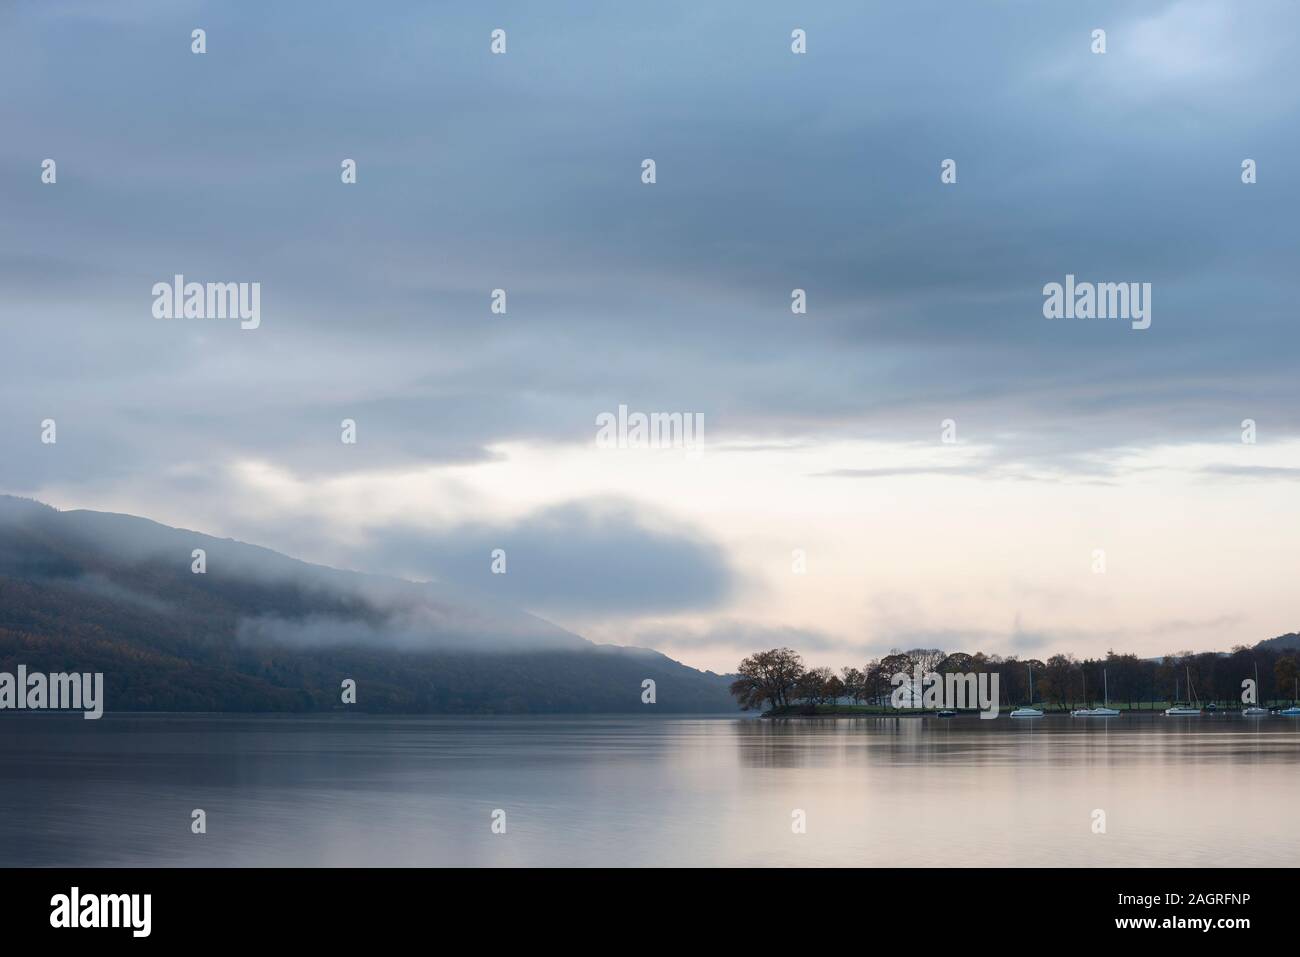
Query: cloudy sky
<point x="775" y="171"/>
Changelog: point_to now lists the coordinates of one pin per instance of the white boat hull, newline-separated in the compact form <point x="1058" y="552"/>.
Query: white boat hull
<point x="1026" y="713"/>
<point x="1095" y="713"/>
<point x="1182" y="712"/>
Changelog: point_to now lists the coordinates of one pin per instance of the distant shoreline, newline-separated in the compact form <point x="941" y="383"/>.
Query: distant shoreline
<point x="877" y="711"/>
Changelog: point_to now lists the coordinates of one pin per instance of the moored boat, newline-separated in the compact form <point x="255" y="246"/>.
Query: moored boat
<point x="1293" y="711"/>
<point x="1028" y="712"/>
<point x="1106" y="711"/>
<point x="1255" y="711"/>
<point x="1178" y="711"/>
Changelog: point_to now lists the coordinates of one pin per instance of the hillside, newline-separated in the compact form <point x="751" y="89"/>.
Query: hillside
<point x="259" y="631"/>
<point x="1281" y="642"/>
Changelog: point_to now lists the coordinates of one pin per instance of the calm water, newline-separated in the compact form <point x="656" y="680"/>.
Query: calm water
<point x="647" y="791"/>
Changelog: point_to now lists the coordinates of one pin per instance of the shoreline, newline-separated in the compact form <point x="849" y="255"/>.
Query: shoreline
<point x="864" y="711"/>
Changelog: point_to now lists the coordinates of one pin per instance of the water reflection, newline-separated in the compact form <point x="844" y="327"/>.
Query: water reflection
<point x="327" y="791"/>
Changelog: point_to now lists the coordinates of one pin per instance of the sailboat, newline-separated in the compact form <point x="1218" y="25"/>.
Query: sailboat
<point x="1028" y="712"/>
<point x="1104" y="712"/>
<point x="1255" y="711"/>
<point x="1293" y="711"/>
<point x="1176" y="710"/>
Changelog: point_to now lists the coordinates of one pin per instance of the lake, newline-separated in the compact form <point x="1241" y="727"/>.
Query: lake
<point x="625" y="791"/>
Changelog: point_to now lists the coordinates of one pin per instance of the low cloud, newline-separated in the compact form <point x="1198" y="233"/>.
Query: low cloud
<point x="1262" y="472"/>
<point x="746" y="636"/>
<point x="576" y="558"/>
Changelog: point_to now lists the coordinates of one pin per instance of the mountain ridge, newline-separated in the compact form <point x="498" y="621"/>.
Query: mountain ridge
<point x="1287" y="641"/>
<point x="262" y="631"/>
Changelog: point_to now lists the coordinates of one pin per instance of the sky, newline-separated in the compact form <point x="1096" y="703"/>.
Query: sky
<point x="1098" y="493"/>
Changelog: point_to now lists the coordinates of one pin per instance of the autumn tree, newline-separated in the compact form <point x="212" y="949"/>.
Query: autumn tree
<point x="1127" y="677"/>
<point x="854" y="683"/>
<point x="813" y="686"/>
<point x="875" y="680"/>
<point x="769" y="676"/>
<point x="1059" y="679"/>
<point x="957" y="663"/>
<point x="834" y="689"/>
<point x="1285" y="672"/>
<point x="928" y="658"/>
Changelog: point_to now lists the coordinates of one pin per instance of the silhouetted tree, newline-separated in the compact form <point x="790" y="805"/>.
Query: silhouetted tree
<point x="767" y="676"/>
<point x="854" y="682"/>
<point x="813" y="685"/>
<point x="834" y="689"/>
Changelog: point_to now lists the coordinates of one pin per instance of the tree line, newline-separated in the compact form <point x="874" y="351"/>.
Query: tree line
<point x="778" y="678"/>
